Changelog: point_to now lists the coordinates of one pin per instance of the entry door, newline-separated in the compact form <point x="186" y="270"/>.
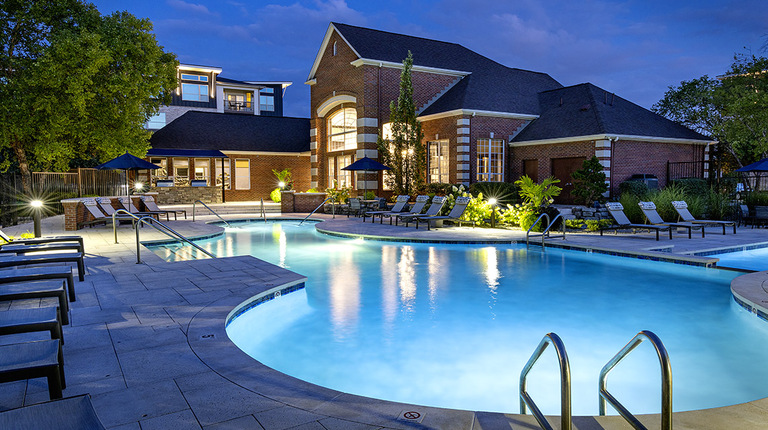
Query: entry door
<point x="562" y="169"/>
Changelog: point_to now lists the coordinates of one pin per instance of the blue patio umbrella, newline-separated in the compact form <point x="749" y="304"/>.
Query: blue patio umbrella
<point x="756" y="168"/>
<point x="368" y="165"/>
<point x="127" y="162"/>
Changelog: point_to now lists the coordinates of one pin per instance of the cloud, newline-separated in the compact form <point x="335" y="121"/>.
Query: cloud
<point x="188" y="7"/>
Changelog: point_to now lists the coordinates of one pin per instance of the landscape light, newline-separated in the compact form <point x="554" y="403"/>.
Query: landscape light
<point x="281" y="184"/>
<point x="492" y="201"/>
<point x="37" y="206"/>
<point x="138" y="186"/>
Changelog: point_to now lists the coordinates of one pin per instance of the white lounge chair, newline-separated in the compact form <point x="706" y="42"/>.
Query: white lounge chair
<point x="682" y="210"/>
<point x="421" y="201"/>
<point x="433" y="210"/>
<point x="454" y="216"/>
<point x="653" y="217"/>
<point x="622" y="221"/>
<point x="399" y="207"/>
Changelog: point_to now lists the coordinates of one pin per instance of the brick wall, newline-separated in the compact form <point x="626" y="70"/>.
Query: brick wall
<point x="481" y="127"/>
<point x="545" y="153"/>
<point x="631" y="157"/>
<point x="263" y="181"/>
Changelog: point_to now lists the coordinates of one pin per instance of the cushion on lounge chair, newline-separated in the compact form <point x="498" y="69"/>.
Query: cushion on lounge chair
<point x="40" y="273"/>
<point x="37" y="290"/>
<point x="28" y="320"/>
<point x="23" y="260"/>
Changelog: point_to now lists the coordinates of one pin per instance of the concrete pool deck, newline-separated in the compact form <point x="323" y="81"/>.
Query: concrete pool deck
<point x="147" y="340"/>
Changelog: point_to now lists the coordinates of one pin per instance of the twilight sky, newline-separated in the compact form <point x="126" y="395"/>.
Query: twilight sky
<point x="635" y="48"/>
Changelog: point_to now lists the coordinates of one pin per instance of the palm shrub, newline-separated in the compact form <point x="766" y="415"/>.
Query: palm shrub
<point x="284" y="176"/>
<point x="536" y="197"/>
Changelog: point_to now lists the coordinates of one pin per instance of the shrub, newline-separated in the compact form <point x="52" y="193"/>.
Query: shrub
<point x="692" y="186"/>
<point x="370" y="195"/>
<point x="284" y="176"/>
<point x="636" y="188"/>
<point x="631" y="209"/>
<point x="575" y="224"/>
<point x="589" y="182"/>
<point x="438" y="189"/>
<point x="505" y="193"/>
<point x="719" y="205"/>
<point x="538" y="195"/>
<point x="756" y="198"/>
<point x="275" y="195"/>
<point x="597" y="224"/>
<point x="312" y="190"/>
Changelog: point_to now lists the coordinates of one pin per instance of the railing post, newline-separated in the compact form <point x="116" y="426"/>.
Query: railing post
<point x="138" y="245"/>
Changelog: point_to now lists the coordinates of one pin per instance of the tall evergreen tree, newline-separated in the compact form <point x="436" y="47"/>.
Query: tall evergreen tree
<point x="404" y="153"/>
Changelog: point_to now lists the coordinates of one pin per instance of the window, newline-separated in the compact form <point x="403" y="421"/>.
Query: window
<point x="227" y="176"/>
<point x="199" y="78"/>
<point x="343" y="178"/>
<point x="162" y="172"/>
<point x="342" y="130"/>
<point x="194" y="92"/>
<point x="180" y="171"/>
<point x="202" y="169"/>
<point x="242" y="174"/>
<point x="438" y="161"/>
<point x="155" y="122"/>
<point x="267" y="99"/>
<point x="334" y="48"/>
<point x="386" y="134"/>
<point x="239" y="102"/>
<point x="490" y="160"/>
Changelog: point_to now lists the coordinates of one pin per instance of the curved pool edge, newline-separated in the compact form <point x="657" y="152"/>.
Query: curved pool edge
<point x="749" y="292"/>
<point x="207" y="337"/>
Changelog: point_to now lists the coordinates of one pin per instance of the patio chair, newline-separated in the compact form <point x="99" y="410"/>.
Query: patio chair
<point x="421" y="201"/>
<point x="41" y="240"/>
<point x="127" y="204"/>
<point x="744" y="216"/>
<point x="57" y="257"/>
<point x="433" y="210"/>
<point x="149" y="203"/>
<point x="682" y="209"/>
<point x="653" y="217"/>
<point x="28" y="360"/>
<point x="454" y="216"/>
<point x="94" y="208"/>
<point x="26" y="249"/>
<point x="65" y="414"/>
<point x="400" y="205"/>
<point x="14" y="321"/>
<point x="354" y="207"/>
<point x="38" y="290"/>
<point x="622" y="222"/>
<point x="39" y="274"/>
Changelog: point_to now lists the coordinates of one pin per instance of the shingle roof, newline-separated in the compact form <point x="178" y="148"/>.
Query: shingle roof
<point x="490" y="86"/>
<point x="234" y="132"/>
<point x="585" y="109"/>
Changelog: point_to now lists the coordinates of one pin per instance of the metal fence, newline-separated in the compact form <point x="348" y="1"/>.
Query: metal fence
<point x="52" y="187"/>
<point x="685" y="169"/>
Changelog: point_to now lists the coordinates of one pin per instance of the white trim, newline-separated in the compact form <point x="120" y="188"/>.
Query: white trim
<point x="313" y="172"/>
<point x="463" y="148"/>
<point x="312" y="146"/>
<point x="462" y="130"/>
<point x="310" y="82"/>
<point x="370" y="153"/>
<point x="298" y="154"/>
<point x="462" y="121"/>
<point x="603" y="144"/>
<point x="313" y="158"/>
<point x="460" y="112"/>
<point x="462" y="166"/>
<point x="603" y="153"/>
<point x="416" y="68"/>
<point x="462" y="157"/>
<point x="237" y="86"/>
<point x="313" y="184"/>
<point x="323" y="46"/>
<point x="312" y="132"/>
<point x="332" y="102"/>
<point x="196" y="68"/>
<point x="606" y="163"/>
<point x="367" y="122"/>
<point x="463" y="139"/>
<point x="610" y="137"/>
<point x="367" y="138"/>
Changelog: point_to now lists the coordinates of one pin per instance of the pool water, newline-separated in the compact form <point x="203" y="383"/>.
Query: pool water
<point x="453" y="325"/>
<point x="753" y="259"/>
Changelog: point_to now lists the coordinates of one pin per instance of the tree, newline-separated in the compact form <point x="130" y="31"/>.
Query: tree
<point x="731" y="109"/>
<point x="405" y="153"/>
<point x="589" y="182"/>
<point x="75" y="84"/>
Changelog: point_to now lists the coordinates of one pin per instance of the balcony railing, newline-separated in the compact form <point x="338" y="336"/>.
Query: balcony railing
<point x="234" y="106"/>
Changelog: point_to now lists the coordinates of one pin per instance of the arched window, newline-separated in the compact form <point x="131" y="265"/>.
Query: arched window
<point x="342" y="130"/>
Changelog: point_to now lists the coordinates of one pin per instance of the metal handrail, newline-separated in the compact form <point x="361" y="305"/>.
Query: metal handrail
<point x="313" y="212"/>
<point x="546" y="230"/>
<point x="666" y="381"/>
<point x="263" y="213"/>
<point x="170" y="233"/>
<point x="212" y="211"/>
<point x="565" y="384"/>
<point x="114" y="220"/>
<point x="527" y="233"/>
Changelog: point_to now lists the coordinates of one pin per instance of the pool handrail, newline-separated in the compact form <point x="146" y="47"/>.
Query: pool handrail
<point x="666" y="381"/>
<point x="207" y="207"/>
<point x="318" y="207"/>
<point x="565" y="384"/>
<point x="263" y="213"/>
<point x="528" y="233"/>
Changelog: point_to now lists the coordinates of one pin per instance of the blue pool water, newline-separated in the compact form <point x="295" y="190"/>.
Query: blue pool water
<point x="453" y="325"/>
<point x="753" y="259"/>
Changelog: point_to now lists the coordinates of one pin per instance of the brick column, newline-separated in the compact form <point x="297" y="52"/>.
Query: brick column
<point x="462" y="151"/>
<point x="72" y="214"/>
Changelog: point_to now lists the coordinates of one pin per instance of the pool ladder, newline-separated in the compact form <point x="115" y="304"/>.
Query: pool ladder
<point x="566" y="421"/>
<point x="545" y="234"/>
<point x="194" y="204"/>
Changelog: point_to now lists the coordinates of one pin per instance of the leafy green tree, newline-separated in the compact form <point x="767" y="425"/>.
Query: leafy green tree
<point x="589" y="182"/>
<point x="75" y="84"/>
<point x="404" y="154"/>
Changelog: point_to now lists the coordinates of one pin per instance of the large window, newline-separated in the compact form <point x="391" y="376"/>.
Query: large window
<point x="343" y="178"/>
<point x="438" y="161"/>
<point x="239" y="102"/>
<point x="180" y="171"/>
<point x="490" y="160"/>
<point x="267" y="99"/>
<point x="191" y="88"/>
<point x="202" y="169"/>
<point x="342" y="130"/>
<point x="242" y="174"/>
<point x="156" y="122"/>
<point x="162" y="172"/>
<point x="227" y="176"/>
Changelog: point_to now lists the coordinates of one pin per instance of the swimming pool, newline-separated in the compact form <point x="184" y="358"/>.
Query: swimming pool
<point x="452" y="326"/>
<point x="748" y="259"/>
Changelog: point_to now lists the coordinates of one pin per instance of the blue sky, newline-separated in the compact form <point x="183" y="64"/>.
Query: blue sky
<point x="634" y="48"/>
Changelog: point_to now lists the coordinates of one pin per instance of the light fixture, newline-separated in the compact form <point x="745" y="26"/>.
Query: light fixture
<point x="37" y="206"/>
<point x="492" y="201"/>
<point x="138" y="186"/>
<point x="281" y="184"/>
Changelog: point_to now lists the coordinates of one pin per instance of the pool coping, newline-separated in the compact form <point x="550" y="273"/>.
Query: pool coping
<point x="207" y="337"/>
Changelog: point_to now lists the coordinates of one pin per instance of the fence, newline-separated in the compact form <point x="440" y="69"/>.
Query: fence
<point x="685" y="169"/>
<point x="51" y="188"/>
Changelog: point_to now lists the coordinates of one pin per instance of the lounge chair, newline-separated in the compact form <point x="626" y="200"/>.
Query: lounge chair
<point x="38" y="290"/>
<point x="63" y="257"/>
<point x="459" y="207"/>
<point x="421" y="201"/>
<point x="399" y="207"/>
<point x="354" y="207"/>
<point x="149" y="203"/>
<point x="13" y="321"/>
<point x="682" y="209"/>
<point x="761" y="216"/>
<point x="653" y="217"/>
<point x="617" y="212"/>
<point x="41" y="240"/>
<point x="39" y="274"/>
<point x="65" y="414"/>
<point x="744" y="216"/>
<point x="28" y="360"/>
<point x="433" y="210"/>
<point x="45" y="247"/>
<point x="127" y="204"/>
<point x="101" y="209"/>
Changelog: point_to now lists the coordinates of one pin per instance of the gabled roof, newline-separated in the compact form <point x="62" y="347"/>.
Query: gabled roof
<point x="587" y="110"/>
<point x="486" y="85"/>
<point x="233" y="132"/>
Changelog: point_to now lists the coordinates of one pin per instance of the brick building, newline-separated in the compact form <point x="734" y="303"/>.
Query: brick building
<point x="482" y="121"/>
